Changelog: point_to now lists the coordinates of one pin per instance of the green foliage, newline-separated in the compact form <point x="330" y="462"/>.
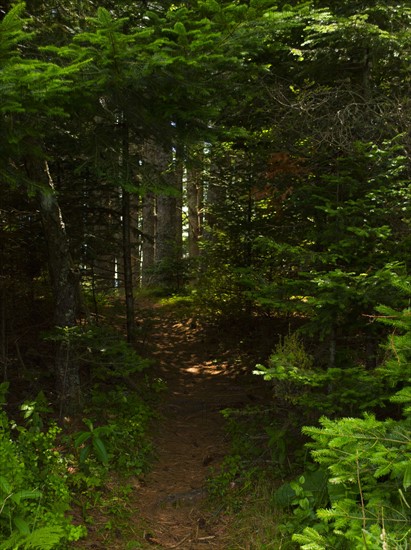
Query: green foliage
<point x="221" y="293"/>
<point x="170" y="275"/>
<point x="180" y="304"/>
<point x="12" y="31"/>
<point x="103" y="350"/>
<point x="119" y="441"/>
<point x="344" y="251"/>
<point x="261" y="451"/>
<point x="38" y="482"/>
<point x="289" y="356"/>
<point x="367" y="469"/>
<point x="321" y="238"/>
<point x="29" y="85"/>
<point x="232" y="483"/>
<point x="395" y="369"/>
<point x="115" y="446"/>
<point x="34" y="492"/>
<point x="34" y="411"/>
<point x="127" y="440"/>
<point x="91" y="440"/>
<point x="331" y="391"/>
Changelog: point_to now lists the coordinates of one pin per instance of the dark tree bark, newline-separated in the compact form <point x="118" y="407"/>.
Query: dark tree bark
<point x="194" y="205"/>
<point x="106" y="230"/>
<point x="65" y="284"/>
<point x="128" y="271"/>
<point x="168" y="235"/>
<point x="149" y="225"/>
<point x="166" y="247"/>
<point x="215" y="195"/>
<point x="178" y="185"/>
<point x="126" y="232"/>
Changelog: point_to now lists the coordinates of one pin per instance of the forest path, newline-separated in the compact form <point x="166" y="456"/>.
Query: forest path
<point x="203" y="377"/>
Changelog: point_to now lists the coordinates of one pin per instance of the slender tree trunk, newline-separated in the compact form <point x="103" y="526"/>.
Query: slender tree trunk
<point x="128" y="271"/>
<point x="194" y="189"/>
<point x="149" y="222"/>
<point x="149" y="228"/>
<point x="178" y="174"/>
<point x="3" y="300"/>
<point x="105" y="273"/>
<point x="65" y="283"/>
<point x="215" y="195"/>
<point x="135" y="214"/>
<point x="168" y="251"/>
<point x="126" y="233"/>
<point x="3" y="337"/>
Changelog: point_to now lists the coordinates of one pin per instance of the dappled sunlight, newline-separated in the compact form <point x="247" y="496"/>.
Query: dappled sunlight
<point x="202" y="379"/>
<point x="210" y="368"/>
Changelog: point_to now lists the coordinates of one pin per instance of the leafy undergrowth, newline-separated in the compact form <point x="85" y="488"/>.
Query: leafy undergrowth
<point x="35" y="492"/>
<point x="256" y="524"/>
<point x="54" y="481"/>
<point x="250" y="476"/>
<point x="341" y="483"/>
<point x="59" y="479"/>
<point x="346" y="480"/>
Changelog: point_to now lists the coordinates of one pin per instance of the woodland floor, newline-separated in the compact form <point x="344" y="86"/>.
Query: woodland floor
<point x="204" y="373"/>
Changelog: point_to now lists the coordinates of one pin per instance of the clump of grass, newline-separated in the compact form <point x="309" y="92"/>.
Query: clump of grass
<point x="177" y="300"/>
<point x="255" y="526"/>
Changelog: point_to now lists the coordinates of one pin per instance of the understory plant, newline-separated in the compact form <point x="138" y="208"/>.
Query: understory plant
<point x="364" y="464"/>
<point x="125" y="416"/>
<point x="34" y="490"/>
<point x="301" y="384"/>
<point x="113" y="444"/>
<point x="102" y="351"/>
<point x="46" y="470"/>
<point x="368" y="467"/>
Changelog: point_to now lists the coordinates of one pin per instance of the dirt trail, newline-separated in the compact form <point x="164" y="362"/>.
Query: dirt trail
<point x="191" y="437"/>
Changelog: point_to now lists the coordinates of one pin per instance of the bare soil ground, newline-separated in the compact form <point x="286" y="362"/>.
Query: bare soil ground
<point x="204" y="374"/>
<point x="202" y="379"/>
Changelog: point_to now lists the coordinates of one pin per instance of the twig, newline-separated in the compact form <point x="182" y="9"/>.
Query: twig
<point x="19" y="357"/>
<point x="181" y="541"/>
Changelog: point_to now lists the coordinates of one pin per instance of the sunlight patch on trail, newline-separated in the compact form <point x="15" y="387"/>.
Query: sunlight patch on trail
<point x="209" y="368"/>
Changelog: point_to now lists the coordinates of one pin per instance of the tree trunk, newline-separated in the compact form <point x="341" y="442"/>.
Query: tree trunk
<point x="168" y="249"/>
<point x="65" y="283"/>
<point x="149" y="227"/>
<point x="3" y="334"/>
<point x="124" y="173"/>
<point x="178" y="175"/>
<point x="128" y="271"/>
<point x="162" y="233"/>
<point x="3" y="300"/>
<point x="135" y="229"/>
<point x="194" y="188"/>
<point x="166" y="246"/>
<point x="104" y="248"/>
<point x="215" y="195"/>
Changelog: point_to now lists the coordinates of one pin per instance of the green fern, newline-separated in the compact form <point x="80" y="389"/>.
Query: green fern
<point x="368" y="465"/>
<point x="310" y="539"/>
<point x="43" y="538"/>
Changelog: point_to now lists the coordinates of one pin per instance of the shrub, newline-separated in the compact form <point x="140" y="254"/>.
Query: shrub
<point x="34" y="494"/>
<point x="347" y="389"/>
<point x="367" y="463"/>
